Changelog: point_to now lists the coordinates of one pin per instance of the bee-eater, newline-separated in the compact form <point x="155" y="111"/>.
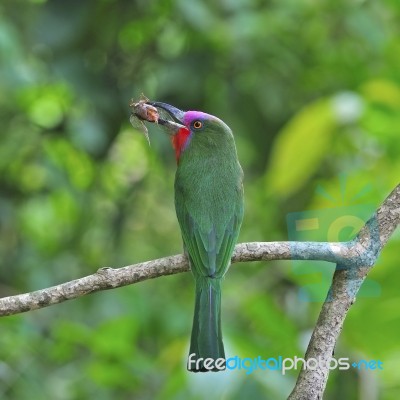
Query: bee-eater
<point x="209" y="207"/>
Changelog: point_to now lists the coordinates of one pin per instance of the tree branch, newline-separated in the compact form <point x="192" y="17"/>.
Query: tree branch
<point x="354" y="260"/>
<point x="111" y="278"/>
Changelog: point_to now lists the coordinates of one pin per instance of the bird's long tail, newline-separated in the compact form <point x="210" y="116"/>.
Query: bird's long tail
<point x="206" y="341"/>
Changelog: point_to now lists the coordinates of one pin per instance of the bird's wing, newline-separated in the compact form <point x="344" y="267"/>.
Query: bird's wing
<point x="209" y="242"/>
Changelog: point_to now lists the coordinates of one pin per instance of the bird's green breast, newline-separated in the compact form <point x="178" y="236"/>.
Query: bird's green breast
<point x="209" y="182"/>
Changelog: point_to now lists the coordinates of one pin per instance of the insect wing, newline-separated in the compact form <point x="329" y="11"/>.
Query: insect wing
<point x="164" y="115"/>
<point x="139" y="125"/>
<point x="136" y="122"/>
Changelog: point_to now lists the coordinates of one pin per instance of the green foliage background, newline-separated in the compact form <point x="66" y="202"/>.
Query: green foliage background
<point x="311" y="90"/>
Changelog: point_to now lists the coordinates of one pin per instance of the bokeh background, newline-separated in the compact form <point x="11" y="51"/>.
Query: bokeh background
<point x="311" y="90"/>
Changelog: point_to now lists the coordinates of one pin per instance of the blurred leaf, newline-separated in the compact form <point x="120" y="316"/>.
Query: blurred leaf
<point x="299" y="148"/>
<point x="114" y="338"/>
<point x="382" y="91"/>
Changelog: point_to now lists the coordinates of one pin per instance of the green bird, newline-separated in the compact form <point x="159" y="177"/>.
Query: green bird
<point x="209" y="208"/>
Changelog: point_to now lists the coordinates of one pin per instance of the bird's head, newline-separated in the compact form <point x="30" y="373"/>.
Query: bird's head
<point x="195" y="128"/>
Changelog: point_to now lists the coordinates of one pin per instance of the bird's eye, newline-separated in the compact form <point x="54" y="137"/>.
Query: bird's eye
<point x="197" y="124"/>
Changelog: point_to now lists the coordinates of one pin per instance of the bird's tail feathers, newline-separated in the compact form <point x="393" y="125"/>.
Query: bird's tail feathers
<point x="206" y="346"/>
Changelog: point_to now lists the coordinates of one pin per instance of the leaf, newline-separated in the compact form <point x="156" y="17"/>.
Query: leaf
<point x="382" y="91"/>
<point x="300" y="147"/>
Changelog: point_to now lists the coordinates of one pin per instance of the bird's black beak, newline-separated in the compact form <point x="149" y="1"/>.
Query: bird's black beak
<point x="176" y="114"/>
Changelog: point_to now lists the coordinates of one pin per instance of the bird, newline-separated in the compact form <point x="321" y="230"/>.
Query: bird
<point x="209" y="207"/>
